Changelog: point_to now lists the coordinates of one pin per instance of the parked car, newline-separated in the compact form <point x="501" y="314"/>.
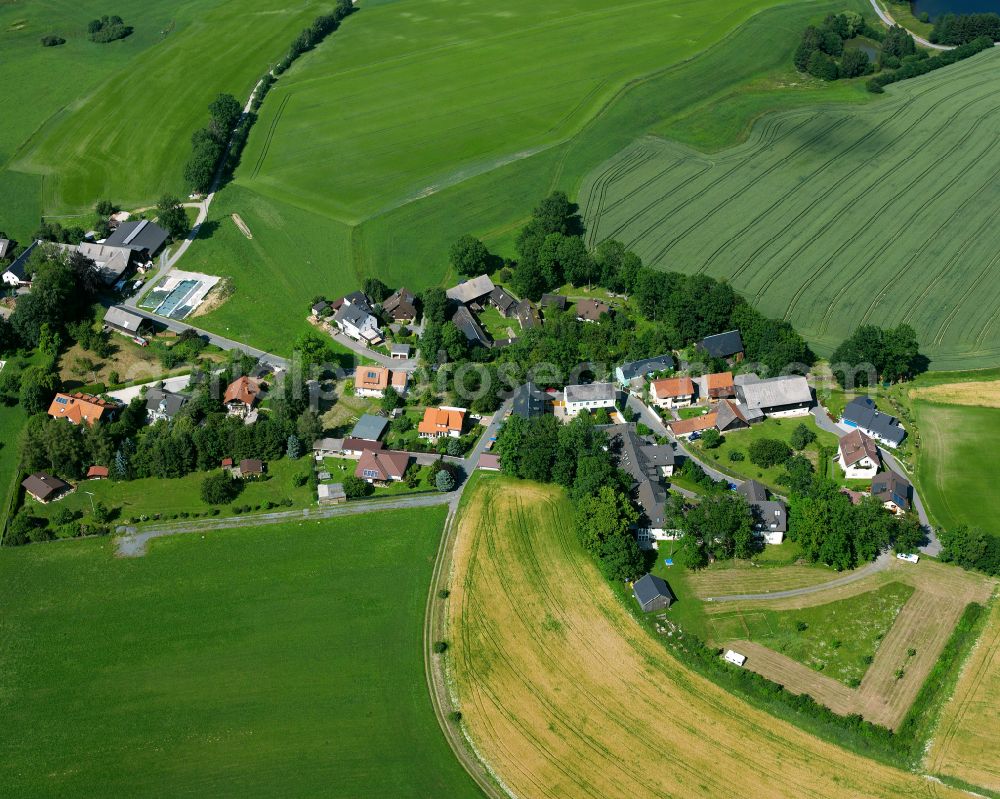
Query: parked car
<point x="909" y="558"/>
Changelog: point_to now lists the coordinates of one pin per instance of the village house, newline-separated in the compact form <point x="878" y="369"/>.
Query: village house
<point x="372" y="381"/>
<point x="124" y="321"/>
<point x="718" y="385"/>
<point x="249" y="469"/>
<point x="672" y="392"/>
<point x="6" y="248"/>
<point x="370" y="427"/>
<point x="355" y="320"/>
<point x="529" y="401"/>
<point x="401" y="306"/>
<point x="862" y="413"/>
<point x="858" y="456"/>
<point x="473" y="291"/>
<point x="320" y="309"/>
<point x="728" y="346"/>
<point x="82" y="408"/>
<point x="788" y="395"/>
<point x="356" y="447"/>
<point x="16" y="275"/>
<point x="646" y="464"/>
<point x="162" y="406"/>
<point x="470" y="327"/>
<point x="327" y="447"/>
<point x="770" y="517"/>
<point x="442" y="422"/>
<point x="44" y="487"/>
<point x="631" y="375"/>
<point x="729" y="416"/>
<point x="893" y="491"/>
<point x="98" y="473"/>
<point x="589" y="397"/>
<point x="382" y="466"/>
<point x="685" y="428"/>
<point x="142" y="237"/>
<point x="242" y="396"/>
<point x="555" y="301"/>
<point x="652" y="593"/>
<point x="527" y="315"/>
<point x="503" y="301"/>
<point x="591" y="310"/>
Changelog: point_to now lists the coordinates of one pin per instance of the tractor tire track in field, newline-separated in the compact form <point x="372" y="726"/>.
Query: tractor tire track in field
<point x="270" y="135"/>
<point x="835" y="216"/>
<point x="633" y="159"/>
<point x="643" y="212"/>
<point x="900" y="227"/>
<point x="847" y="176"/>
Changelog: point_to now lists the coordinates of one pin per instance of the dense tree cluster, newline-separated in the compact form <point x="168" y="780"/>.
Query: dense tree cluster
<point x="965" y="28"/>
<point x="108" y="29"/>
<point x="208" y="144"/>
<point x="718" y="527"/>
<point x="919" y="64"/>
<point x="893" y="352"/>
<point x="172" y="217"/>
<point x="63" y="289"/>
<point x="971" y="548"/>
<point x="575" y="456"/>
<point x="469" y="257"/>
<point x="822" y="45"/>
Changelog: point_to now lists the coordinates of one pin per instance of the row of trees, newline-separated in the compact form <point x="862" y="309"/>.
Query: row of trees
<point x="920" y="64"/>
<point x="971" y="548"/>
<point x="208" y="144"/>
<point x="965" y="28"/>
<point x="575" y="456"/>
<point x="893" y="352"/>
<point x="320" y="28"/>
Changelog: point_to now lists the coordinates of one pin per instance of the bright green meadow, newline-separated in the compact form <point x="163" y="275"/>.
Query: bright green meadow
<point x="832" y="217"/>
<point x="276" y="661"/>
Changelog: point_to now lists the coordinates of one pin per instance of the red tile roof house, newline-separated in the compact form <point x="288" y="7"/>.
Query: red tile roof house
<point x="242" y="396"/>
<point x="719" y="385"/>
<point x="440" y="422"/>
<point x="97" y="473"/>
<point x="858" y="456"/>
<point x="80" y="408"/>
<point x="672" y="392"/>
<point x="382" y="466"/>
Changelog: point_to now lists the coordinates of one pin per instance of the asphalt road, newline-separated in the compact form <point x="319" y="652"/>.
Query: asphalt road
<point x="888" y="20"/>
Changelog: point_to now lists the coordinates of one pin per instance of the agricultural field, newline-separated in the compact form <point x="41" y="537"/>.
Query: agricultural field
<point x="266" y="661"/>
<point x="834" y="638"/>
<point x="396" y="189"/>
<point x="114" y="120"/>
<point x="601" y="711"/>
<point x="967" y="743"/>
<point x="12" y="421"/>
<point x="957" y="463"/>
<point x="883" y="214"/>
<point x="937" y="597"/>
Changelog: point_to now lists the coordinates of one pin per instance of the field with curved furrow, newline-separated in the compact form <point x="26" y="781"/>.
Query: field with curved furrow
<point x="835" y="216"/>
<point x="565" y="695"/>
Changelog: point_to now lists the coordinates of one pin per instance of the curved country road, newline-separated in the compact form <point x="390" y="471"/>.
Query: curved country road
<point x="880" y="564"/>
<point x="888" y="20"/>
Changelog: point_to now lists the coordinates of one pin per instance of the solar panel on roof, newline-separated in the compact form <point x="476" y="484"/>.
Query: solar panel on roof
<point x="61" y="400"/>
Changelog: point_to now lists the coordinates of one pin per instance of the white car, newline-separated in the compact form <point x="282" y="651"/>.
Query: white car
<point x="907" y="558"/>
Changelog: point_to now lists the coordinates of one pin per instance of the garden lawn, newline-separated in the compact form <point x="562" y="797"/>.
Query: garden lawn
<point x="837" y="638"/>
<point x="957" y="464"/>
<point x="166" y="498"/>
<point x="274" y="661"/>
<point x="740" y="440"/>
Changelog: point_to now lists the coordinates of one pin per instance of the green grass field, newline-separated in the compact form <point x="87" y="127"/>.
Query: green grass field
<point x="837" y="638"/>
<point x="956" y="465"/>
<point x="383" y="188"/>
<point x="12" y="421"/>
<point x="114" y="120"/>
<point x="275" y="661"/>
<point x="832" y="216"/>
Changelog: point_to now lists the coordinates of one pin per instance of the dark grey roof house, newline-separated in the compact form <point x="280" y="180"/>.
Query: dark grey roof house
<point x="401" y="305"/>
<point x="163" y="405"/>
<point x="370" y="427"/>
<point x="358" y="299"/>
<point x="5" y="247"/>
<point x="17" y="273"/>
<point x="722" y="345"/>
<point x="44" y="487"/>
<point x="529" y="401"/>
<point x="652" y="593"/>
<point x="141" y="236"/>
<point x="770" y="517"/>
<point x="466" y="322"/>
<point x="123" y="320"/>
<point x="862" y="414"/>
<point x="320" y="308"/>
<point x="502" y="300"/>
<point x="753" y="491"/>
<point x="645" y="464"/>
<point x="628" y="372"/>
<point x="527" y="315"/>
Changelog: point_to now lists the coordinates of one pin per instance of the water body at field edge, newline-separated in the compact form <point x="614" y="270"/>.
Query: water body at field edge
<point x="936" y="8"/>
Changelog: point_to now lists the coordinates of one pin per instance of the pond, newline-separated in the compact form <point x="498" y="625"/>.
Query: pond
<point x="866" y="45"/>
<point x="936" y="8"/>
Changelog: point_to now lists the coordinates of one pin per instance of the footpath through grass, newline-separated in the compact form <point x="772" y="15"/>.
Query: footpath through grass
<point x="273" y="661"/>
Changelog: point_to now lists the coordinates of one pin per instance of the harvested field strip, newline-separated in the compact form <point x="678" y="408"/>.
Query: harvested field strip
<point x="564" y="695"/>
<point x="754" y="580"/>
<point x="967" y="744"/>
<point x="864" y="202"/>
<point x="984" y="393"/>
